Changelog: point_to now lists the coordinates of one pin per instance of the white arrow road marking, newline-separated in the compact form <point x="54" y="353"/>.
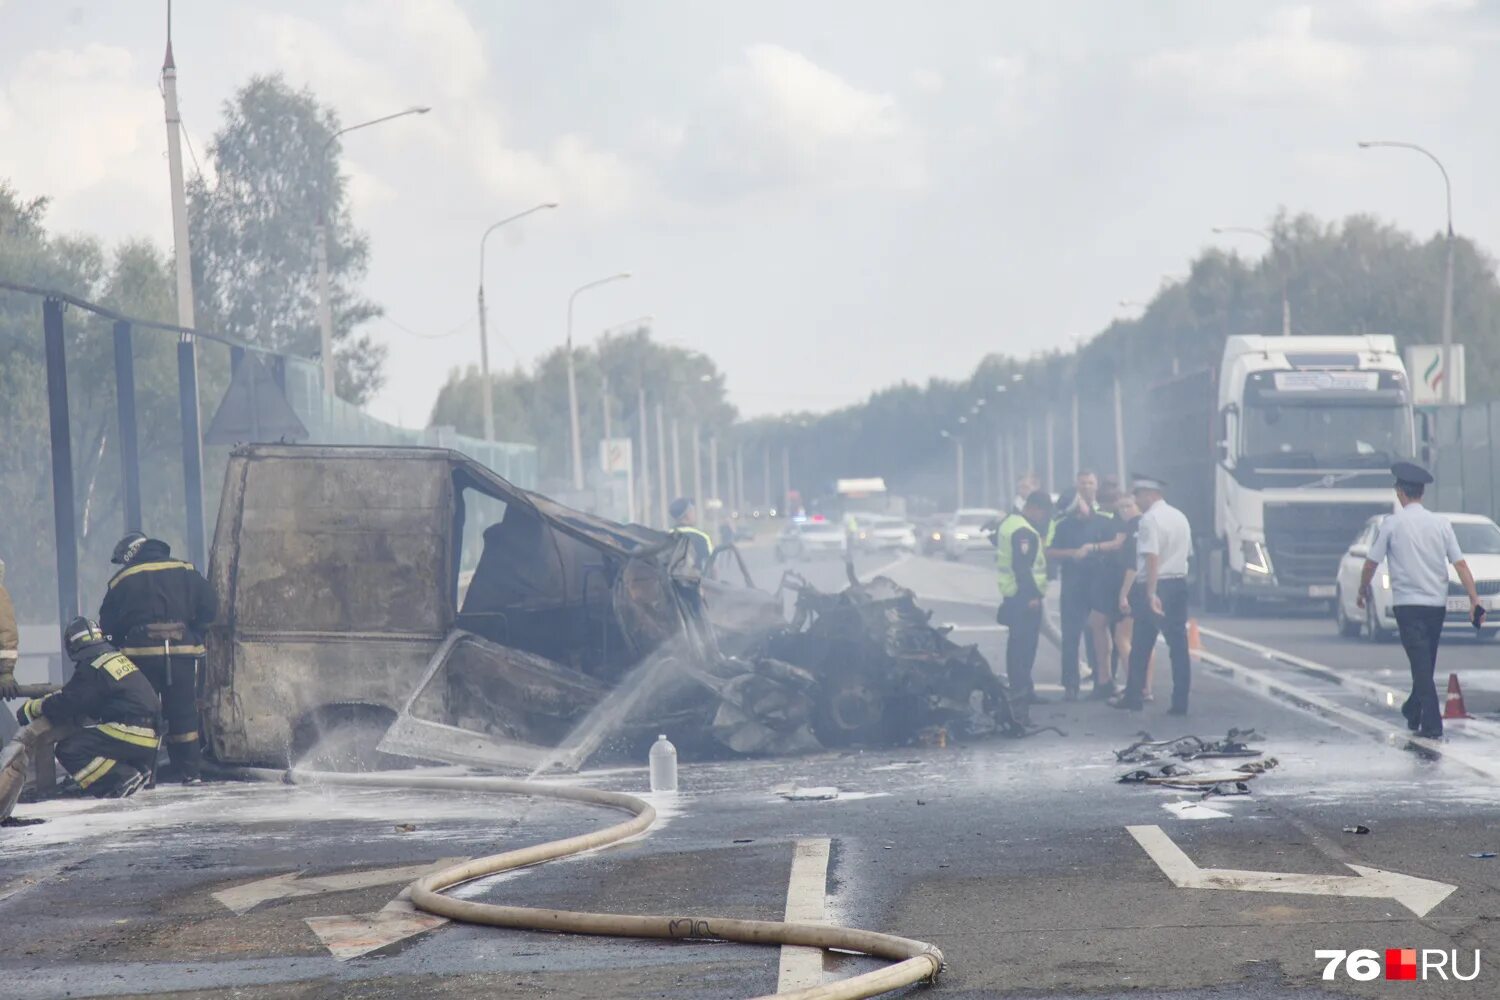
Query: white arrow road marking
<point x="806" y="893"/>
<point x="355" y="934"/>
<point x="1419" y="895"/>
<point x="244" y="898"/>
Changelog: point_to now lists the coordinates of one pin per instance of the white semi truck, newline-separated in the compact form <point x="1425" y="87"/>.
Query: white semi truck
<point x="1280" y="457"/>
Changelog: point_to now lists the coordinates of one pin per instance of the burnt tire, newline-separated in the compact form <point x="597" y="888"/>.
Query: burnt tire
<point x="849" y="711"/>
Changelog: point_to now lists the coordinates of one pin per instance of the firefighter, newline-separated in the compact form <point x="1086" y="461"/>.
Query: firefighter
<point x="115" y="708"/>
<point x="156" y="610"/>
<point x="1021" y="565"/>
<point x="685" y="522"/>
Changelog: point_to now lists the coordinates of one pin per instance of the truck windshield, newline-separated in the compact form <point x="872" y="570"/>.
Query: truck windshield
<point x="1324" y="437"/>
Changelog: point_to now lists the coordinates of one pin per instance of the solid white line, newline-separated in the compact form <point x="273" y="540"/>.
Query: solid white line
<point x="1340" y="716"/>
<point x="806" y="897"/>
<point x="1385" y="693"/>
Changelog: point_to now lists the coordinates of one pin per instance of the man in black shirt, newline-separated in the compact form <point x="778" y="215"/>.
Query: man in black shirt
<point x="1077" y="531"/>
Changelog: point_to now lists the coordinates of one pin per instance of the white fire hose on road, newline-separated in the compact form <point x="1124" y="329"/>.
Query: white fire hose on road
<point x="916" y="961"/>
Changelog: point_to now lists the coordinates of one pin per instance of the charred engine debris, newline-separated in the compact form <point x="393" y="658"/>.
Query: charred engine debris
<point x="863" y="666"/>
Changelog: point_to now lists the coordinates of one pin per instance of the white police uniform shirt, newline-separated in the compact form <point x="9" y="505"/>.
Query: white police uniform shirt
<point x="1164" y="533"/>
<point x="1417" y="547"/>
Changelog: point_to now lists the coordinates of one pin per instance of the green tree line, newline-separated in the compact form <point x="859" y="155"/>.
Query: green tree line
<point x="253" y="214"/>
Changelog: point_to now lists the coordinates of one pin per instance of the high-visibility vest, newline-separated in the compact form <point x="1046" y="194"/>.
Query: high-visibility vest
<point x="1009" y="587"/>
<point x="685" y="529"/>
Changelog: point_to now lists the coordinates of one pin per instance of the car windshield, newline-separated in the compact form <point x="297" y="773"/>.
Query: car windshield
<point x="1277" y="436"/>
<point x="1477" y="538"/>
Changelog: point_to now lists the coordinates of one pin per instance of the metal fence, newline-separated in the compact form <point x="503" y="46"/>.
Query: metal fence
<point x="1464" y="461"/>
<point x="105" y="422"/>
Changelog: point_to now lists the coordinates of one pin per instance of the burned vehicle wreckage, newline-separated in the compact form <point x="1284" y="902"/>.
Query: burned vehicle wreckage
<point x="412" y="593"/>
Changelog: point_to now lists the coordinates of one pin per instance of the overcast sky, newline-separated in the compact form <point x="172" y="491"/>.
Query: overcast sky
<point x="825" y="197"/>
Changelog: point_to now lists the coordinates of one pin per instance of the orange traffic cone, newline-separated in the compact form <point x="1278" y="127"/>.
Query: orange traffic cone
<point x="1453" y="708"/>
<point x="1195" y="641"/>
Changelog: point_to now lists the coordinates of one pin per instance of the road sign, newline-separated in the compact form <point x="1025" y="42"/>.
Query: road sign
<point x="616" y="457"/>
<point x="1419" y="895"/>
<point x="1424" y="362"/>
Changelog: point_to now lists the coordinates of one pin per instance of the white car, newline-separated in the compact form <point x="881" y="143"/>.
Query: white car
<point x="1478" y="538"/>
<point x="883" y="531"/>
<point x="807" y="539"/>
<point x="965" y="532"/>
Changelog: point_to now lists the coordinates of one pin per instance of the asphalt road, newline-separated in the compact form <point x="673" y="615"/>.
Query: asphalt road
<point x="1014" y="857"/>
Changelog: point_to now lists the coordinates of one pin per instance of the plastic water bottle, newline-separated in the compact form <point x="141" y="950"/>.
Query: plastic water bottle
<point x="663" y="765"/>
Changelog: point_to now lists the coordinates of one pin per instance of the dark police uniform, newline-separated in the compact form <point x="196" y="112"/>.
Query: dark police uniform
<point x="156" y="611"/>
<point x="1022" y="572"/>
<point x="112" y="756"/>
<point x="1417" y="547"/>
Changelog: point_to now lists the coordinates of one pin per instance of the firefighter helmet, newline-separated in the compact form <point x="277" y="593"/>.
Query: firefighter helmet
<point x="80" y="634"/>
<point x="127" y="547"/>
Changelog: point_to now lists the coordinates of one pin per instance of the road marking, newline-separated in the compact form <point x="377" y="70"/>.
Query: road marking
<point x="354" y="934"/>
<point x="1383" y="693"/>
<point x="1419" y="895"/>
<point x="244" y="898"/>
<point x="806" y="896"/>
<point x="1193" y="810"/>
<point x="1345" y="718"/>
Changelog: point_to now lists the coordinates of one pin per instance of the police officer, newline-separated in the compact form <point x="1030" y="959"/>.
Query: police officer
<point x="1021" y="566"/>
<point x="1417" y="546"/>
<point x="685" y="522"/>
<point x="1158" y="597"/>
<point x="156" y="611"/>
<point x="116" y="708"/>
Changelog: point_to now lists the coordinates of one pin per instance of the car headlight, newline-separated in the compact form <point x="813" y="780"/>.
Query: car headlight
<point x="937" y="536"/>
<point x="1257" y="559"/>
<point x="962" y="536"/>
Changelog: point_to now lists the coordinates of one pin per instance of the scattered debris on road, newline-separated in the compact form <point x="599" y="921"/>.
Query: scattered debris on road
<point x="1357" y="828"/>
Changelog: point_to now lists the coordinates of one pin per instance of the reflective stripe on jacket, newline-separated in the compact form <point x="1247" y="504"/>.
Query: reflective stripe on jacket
<point x="1009" y="586"/>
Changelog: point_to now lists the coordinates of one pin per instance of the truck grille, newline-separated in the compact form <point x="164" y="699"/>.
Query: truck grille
<point x="1307" y="540"/>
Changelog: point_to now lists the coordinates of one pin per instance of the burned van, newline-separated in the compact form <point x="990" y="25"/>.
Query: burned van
<point x="413" y="592"/>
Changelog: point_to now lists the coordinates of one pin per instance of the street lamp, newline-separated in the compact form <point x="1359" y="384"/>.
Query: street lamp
<point x="1448" y="373"/>
<point x="1286" y="307"/>
<point x="325" y="294"/>
<point x="484" y="340"/>
<point x="573" y="381"/>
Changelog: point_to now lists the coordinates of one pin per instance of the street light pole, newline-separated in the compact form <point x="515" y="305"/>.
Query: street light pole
<point x="1448" y="372"/>
<point x="573" y="379"/>
<point x="486" y="390"/>
<point x="325" y="292"/>
<point x="1286" y="305"/>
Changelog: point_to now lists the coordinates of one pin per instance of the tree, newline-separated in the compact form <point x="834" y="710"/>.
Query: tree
<point x="533" y="408"/>
<point x="254" y="233"/>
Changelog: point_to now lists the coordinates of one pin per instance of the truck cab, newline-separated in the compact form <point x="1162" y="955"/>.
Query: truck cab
<point x="1307" y="428"/>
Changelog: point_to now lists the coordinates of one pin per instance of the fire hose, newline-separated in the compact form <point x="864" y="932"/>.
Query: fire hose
<point x="916" y="961"/>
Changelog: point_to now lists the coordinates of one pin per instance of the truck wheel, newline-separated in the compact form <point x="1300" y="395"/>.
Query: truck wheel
<point x="1348" y="627"/>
